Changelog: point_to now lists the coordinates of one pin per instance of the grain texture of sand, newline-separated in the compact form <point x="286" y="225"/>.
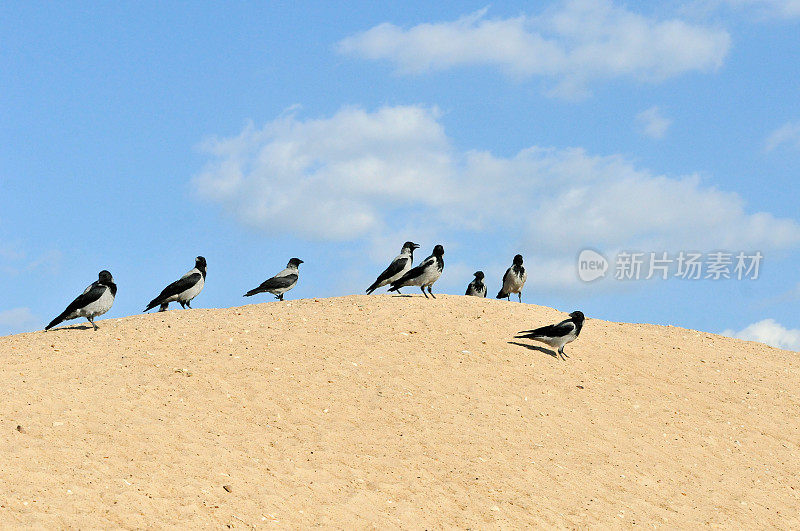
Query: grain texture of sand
<point x="382" y="411"/>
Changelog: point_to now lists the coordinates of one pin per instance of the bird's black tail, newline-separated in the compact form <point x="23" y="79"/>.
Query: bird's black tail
<point x="58" y="320"/>
<point x="153" y="303"/>
<point x="372" y="288"/>
<point x="529" y="334"/>
<point x="251" y="292"/>
<point x="502" y="294"/>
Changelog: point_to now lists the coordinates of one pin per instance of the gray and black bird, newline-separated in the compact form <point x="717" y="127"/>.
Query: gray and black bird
<point x="557" y="335"/>
<point x="184" y="289"/>
<point x="513" y="280"/>
<point x="424" y="275"/>
<point x="95" y="300"/>
<point x="477" y="288"/>
<point x="280" y="283"/>
<point x="399" y="267"/>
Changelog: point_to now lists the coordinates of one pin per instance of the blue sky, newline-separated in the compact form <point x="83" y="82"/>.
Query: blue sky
<point x="138" y="135"/>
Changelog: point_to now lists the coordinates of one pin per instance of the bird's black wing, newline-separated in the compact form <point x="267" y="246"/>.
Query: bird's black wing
<point x="394" y="268"/>
<point x="414" y="272"/>
<point x="89" y="296"/>
<point x="179" y="286"/>
<point x="475" y="288"/>
<point x="274" y="283"/>
<point x="278" y="282"/>
<point x="502" y="292"/>
<point x="557" y="330"/>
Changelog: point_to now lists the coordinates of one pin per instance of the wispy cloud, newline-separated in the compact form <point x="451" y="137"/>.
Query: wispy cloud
<point x="652" y="123"/>
<point x="16" y="261"/>
<point x="353" y="168"/>
<point x="577" y="42"/>
<point x="770" y="332"/>
<point x="770" y="8"/>
<point x="361" y="175"/>
<point x="17" y="320"/>
<point x="787" y="135"/>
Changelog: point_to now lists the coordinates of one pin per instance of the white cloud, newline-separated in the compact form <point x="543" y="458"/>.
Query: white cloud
<point x="15" y="260"/>
<point x="17" y="319"/>
<point x="577" y="42"/>
<point x="788" y="134"/>
<point x="361" y="175"/>
<point x="652" y="123"/>
<point x="770" y="332"/>
<point x="332" y="178"/>
<point x="771" y="8"/>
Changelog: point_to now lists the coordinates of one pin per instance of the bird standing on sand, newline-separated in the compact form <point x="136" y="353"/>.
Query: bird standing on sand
<point x="477" y="288"/>
<point x="424" y="275"/>
<point x="280" y="283"/>
<point x="513" y="280"/>
<point x="184" y="289"/>
<point x="399" y="267"/>
<point x="95" y="300"/>
<point x="557" y="335"/>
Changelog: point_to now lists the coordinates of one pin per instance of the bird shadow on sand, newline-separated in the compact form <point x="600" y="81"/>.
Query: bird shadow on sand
<point x="536" y="347"/>
<point x="72" y="327"/>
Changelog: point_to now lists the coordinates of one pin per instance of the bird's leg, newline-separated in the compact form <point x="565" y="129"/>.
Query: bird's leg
<point x="163" y="307"/>
<point x="183" y="304"/>
<point x="508" y="297"/>
<point x="431" y="292"/>
<point x="423" y="291"/>
<point x="188" y="304"/>
<point x="520" y="296"/>
<point x="280" y="297"/>
<point x="91" y="320"/>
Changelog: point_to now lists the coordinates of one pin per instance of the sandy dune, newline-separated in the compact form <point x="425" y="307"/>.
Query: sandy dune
<point x="393" y="412"/>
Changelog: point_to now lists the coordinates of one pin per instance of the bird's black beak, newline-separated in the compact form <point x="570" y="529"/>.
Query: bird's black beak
<point x="416" y="246"/>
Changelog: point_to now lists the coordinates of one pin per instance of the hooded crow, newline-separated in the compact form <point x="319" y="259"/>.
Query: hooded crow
<point x="184" y="289"/>
<point x="399" y="267"/>
<point x="513" y="280"/>
<point x="477" y="288"/>
<point x="95" y="300"/>
<point x="280" y="283"/>
<point x="557" y="335"/>
<point x="424" y="275"/>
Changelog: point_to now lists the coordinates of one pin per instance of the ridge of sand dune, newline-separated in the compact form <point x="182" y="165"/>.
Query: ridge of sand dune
<point x="389" y="411"/>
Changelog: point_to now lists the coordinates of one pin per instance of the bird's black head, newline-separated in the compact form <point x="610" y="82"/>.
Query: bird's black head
<point x="577" y="316"/>
<point x="479" y="275"/>
<point x="200" y="262"/>
<point x="518" y="260"/>
<point x="295" y="262"/>
<point x="438" y="250"/>
<point x="410" y="246"/>
<point x="105" y="277"/>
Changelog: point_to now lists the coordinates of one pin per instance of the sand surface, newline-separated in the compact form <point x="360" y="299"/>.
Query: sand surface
<point x="384" y="412"/>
